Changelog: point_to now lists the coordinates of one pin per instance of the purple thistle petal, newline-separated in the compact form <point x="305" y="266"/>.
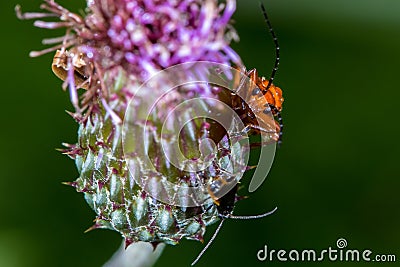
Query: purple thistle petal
<point x="229" y="10"/>
<point x="51" y="25"/>
<point x="116" y="119"/>
<point x="32" y="15"/>
<point x="72" y="88"/>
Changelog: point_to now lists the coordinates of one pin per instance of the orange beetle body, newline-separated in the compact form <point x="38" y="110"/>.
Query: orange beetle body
<point x="272" y="94"/>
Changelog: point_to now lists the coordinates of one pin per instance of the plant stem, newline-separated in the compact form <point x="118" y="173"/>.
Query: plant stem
<point x="140" y="254"/>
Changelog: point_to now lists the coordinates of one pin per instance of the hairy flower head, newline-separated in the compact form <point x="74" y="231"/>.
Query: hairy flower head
<point x="141" y="37"/>
<point x="110" y="50"/>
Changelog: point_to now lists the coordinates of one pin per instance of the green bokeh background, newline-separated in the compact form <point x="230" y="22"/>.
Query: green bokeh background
<point x="335" y="176"/>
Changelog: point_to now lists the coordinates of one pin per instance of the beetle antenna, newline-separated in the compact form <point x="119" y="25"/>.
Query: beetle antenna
<point x="275" y="39"/>
<point x="278" y="116"/>
<point x="252" y="216"/>
<point x="209" y="242"/>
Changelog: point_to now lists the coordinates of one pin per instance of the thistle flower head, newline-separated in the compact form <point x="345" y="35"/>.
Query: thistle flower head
<point x="110" y="50"/>
<point x="141" y="37"/>
<point x="147" y="36"/>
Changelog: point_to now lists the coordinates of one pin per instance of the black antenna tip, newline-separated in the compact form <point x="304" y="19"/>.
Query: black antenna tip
<point x="262" y="6"/>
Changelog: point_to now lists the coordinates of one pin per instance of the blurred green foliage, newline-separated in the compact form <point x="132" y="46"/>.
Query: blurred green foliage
<point x="336" y="174"/>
